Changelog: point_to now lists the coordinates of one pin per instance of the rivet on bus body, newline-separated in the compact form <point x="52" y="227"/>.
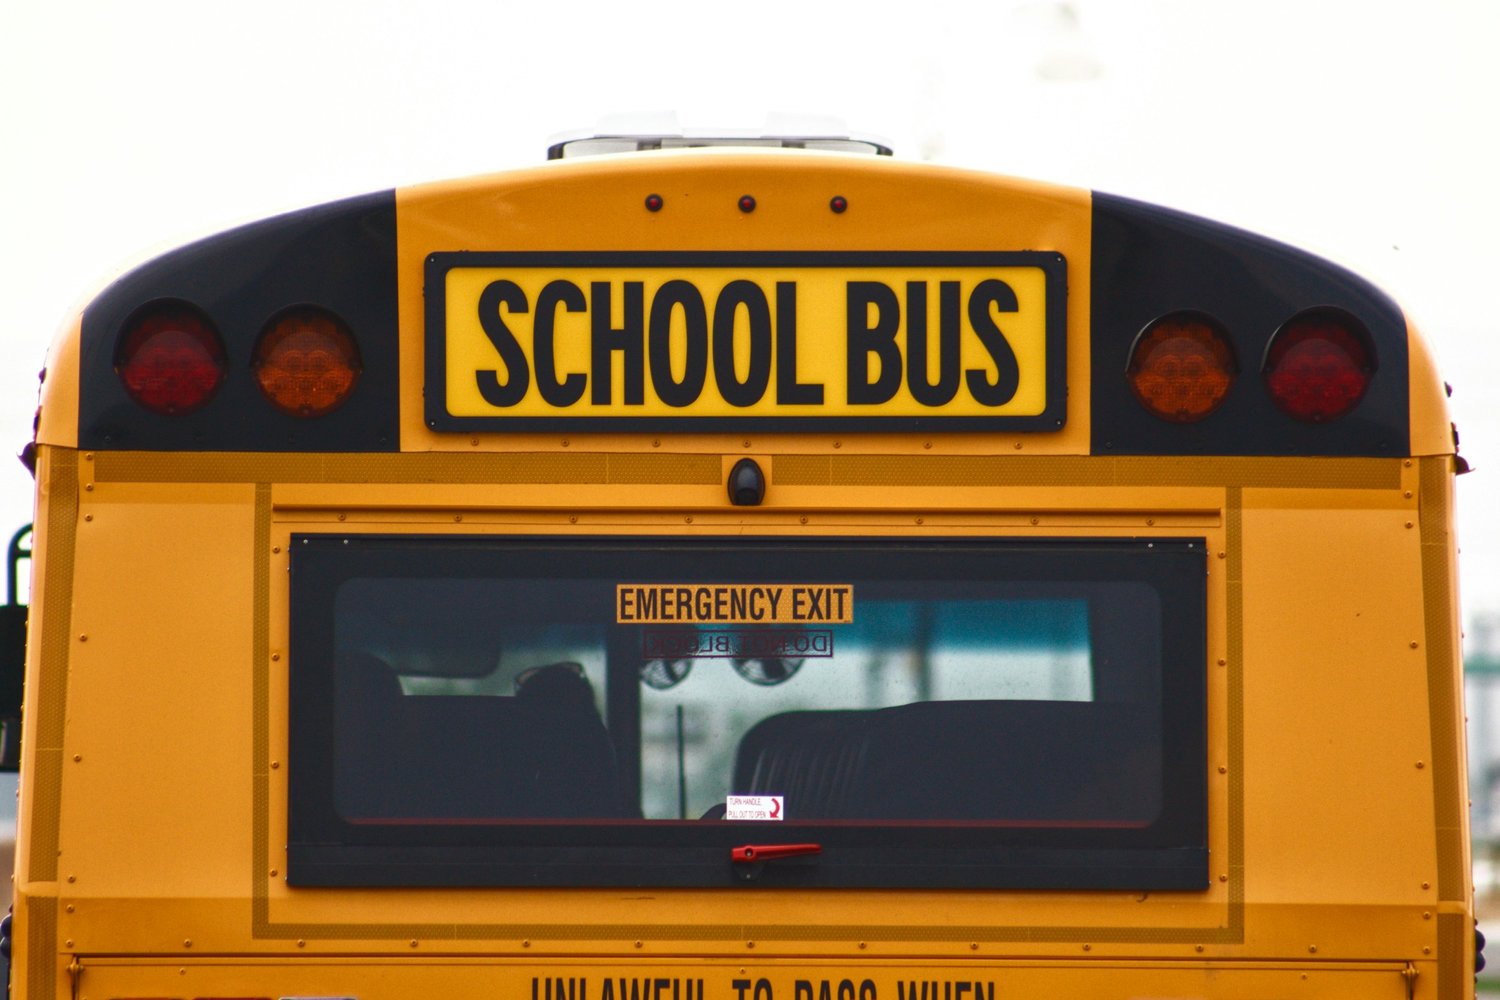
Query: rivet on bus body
<point x="68" y="943"/>
<point x="275" y="764"/>
<point x="1407" y="494"/>
<point x="1421" y="764"/>
<point x="1427" y="916"/>
<point x="457" y="518"/>
<point x="1036" y="520"/>
<point x="927" y="445"/>
<point x="746" y="443"/>
<point x="72" y="879"/>
<point x="88" y="517"/>
<point x="638" y="944"/>
<point x="920" y="520"/>
<point x="301" y="943"/>
<point x="802" y="519"/>
<point x="1427" y="885"/>
<point x="656" y="443"/>
<point x="413" y="943"/>
<point x="88" y="456"/>
<point x="1312" y="949"/>
<point x="1221" y="555"/>
<point x="565" y="442"/>
<point x="1413" y="644"/>
<point x="1425" y="950"/>
<point x="1088" y="947"/>
<point x="275" y="657"/>
<point x="973" y="945"/>
<point x="572" y="518"/>
<point x="1198" y="947"/>
<point x="273" y="873"/>
<point x="1407" y="463"/>
<point x="1150" y="522"/>
<point x="688" y="520"/>
<point x="1223" y="662"/>
<point x="748" y="944"/>
<point x="1223" y="769"/>
<point x="83" y="638"/>
<point x="861" y="946"/>
<point x="78" y="758"/>
<point x="1223" y="878"/>
<point x="838" y="444"/>
<point x="343" y="516"/>
<point x="525" y="944"/>
<point x="88" y="487"/>
<point x="276" y="550"/>
<point x="1018" y="446"/>
<point x="187" y="942"/>
<point x="474" y="442"/>
<point x="1408" y="524"/>
<point x="69" y="907"/>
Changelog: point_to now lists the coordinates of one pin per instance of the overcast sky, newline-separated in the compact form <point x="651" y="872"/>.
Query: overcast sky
<point x="1362" y="129"/>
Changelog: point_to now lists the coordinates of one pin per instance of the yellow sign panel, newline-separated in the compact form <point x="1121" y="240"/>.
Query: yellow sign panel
<point x="734" y="603"/>
<point x="751" y="337"/>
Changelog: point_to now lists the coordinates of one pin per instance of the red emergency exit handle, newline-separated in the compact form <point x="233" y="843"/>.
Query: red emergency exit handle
<point x="770" y="852"/>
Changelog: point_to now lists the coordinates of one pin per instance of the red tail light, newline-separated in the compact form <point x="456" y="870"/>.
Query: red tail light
<point x="170" y="358"/>
<point x="1318" y="365"/>
<point x="306" y="362"/>
<point x="1181" y="367"/>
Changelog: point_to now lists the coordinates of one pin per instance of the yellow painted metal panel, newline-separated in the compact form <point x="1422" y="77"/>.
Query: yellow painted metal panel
<point x="598" y="206"/>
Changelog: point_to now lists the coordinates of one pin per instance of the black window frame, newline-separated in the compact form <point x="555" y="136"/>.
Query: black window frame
<point x="1168" y="854"/>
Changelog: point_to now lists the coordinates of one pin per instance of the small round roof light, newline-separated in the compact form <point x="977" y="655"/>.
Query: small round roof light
<point x="1182" y="367"/>
<point x="306" y="362"/>
<point x="1319" y="364"/>
<point x="170" y="358"/>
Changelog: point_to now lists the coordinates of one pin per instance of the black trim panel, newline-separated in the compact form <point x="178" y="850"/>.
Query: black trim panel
<point x="340" y="257"/>
<point x="1149" y="262"/>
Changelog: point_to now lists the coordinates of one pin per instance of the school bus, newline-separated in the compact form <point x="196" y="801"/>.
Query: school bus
<point x="742" y="574"/>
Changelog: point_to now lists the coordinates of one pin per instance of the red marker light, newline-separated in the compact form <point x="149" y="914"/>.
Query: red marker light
<point x="747" y="203"/>
<point x="839" y="204"/>
<point x="653" y="203"/>
<point x="170" y="358"/>
<point x="306" y="362"/>
<point x="1319" y="365"/>
<point x="1181" y="367"/>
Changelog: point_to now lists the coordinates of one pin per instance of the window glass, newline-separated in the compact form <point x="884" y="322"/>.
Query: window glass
<point x="648" y="685"/>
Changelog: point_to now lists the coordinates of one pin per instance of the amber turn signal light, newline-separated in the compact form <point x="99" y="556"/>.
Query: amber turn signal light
<point x="1181" y="367"/>
<point x="306" y="362"/>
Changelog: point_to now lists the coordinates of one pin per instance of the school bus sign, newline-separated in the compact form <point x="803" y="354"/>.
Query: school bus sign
<point x="877" y="341"/>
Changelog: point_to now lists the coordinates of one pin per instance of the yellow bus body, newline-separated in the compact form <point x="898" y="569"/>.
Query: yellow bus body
<point x="154" y="809"/>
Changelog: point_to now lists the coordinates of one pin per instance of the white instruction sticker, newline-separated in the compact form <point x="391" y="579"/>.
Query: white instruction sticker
<point x="759" y="807"/>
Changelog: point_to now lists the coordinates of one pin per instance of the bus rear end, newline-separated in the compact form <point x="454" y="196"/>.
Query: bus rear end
<point x="722" y="575"/>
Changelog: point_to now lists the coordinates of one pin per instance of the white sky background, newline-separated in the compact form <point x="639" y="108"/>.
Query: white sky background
<point x="1362" y="129"/>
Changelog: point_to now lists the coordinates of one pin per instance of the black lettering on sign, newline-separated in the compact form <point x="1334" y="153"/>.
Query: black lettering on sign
<point x="993" y="292"/>
<point x="762" y="989"/>
<point x="788" y="390"/>
<point x="865" y="339"/>
<point x="627" y="339"/>
<point x="517" y="375"/>
<point x="685" y="296"/>
<point x="746" y="295"/>
<point x="543" y="343"/>
<point x="941" y="392"/>
<point x="845" y="989"/>
<point x="946" y="989"/>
